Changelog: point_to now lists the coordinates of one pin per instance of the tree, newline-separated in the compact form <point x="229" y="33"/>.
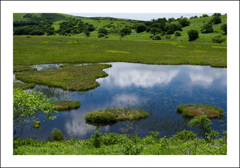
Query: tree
<point x="224" y="28"/>
<point x="140" y="28"/>
<point x="207" y="28"/>
<point x="203" y="123"/>
<point x="102" y="31"/>
<point x="184" y="22"/>
<point x="193" y="35"/>
<point x="216" y="20"/>
<point x="26" y="106"/>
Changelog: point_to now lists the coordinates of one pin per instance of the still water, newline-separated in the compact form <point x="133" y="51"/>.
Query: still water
<point x="157" y="89"/>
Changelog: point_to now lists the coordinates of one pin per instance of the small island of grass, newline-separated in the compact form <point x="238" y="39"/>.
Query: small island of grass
<point x="23" y="86"/>
<point x="110" y="116"/>
<point x="66" y="105"/>
<point x="70" y="77"/>
<point x="192" y="110"/>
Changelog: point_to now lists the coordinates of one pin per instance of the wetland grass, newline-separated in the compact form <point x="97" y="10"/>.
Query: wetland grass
<point x="80" y="50"/>
<point x="192" y="110"/>
<point x="23" y="86"/>
<point x="66" y="104"/>
<point x="21" y="68"/>
<point x="70" y="77"/>
<point x="110" y="116"/>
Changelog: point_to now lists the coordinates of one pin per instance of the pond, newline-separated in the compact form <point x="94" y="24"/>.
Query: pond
<point x="157" y="89"/>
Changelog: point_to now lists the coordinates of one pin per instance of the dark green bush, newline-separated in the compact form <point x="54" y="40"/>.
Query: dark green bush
<point x="157" y="37"/>
<point x="224" y="28"/>
<point x="167" y="37"/>
<point x="96" y="139"/>
<point x="216" y="20"/>
<point x="218" y="39"/>
<point x="207" y="28"/>
<point x="102" y="31"/>
<point x="177" y="33"/>
<point x="204" y="15"/>
<point x="57" y="135"/>
<point x="101" y="35"/>
<point x="184" y="22"/>
<point x="141" y="28"/>
<point x="193" y="35"/>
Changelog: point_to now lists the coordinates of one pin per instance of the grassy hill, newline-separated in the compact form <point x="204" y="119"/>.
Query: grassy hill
<point x="114" y="27"/>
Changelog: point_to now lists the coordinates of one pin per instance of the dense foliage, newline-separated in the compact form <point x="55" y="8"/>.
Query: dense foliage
<point x="25" y="108"/>
<point x="129" y="143"/>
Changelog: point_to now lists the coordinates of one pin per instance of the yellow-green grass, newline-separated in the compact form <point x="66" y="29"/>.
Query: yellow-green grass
<point x="70" y="77"/>
<point x="29" y="51"/>
<point x="66" y="104"/>
<point x="23" y="68"/>
<point x="23" y="86"/>
<point x="192" y="110"/>
<point x="36" y="124"/>
<point x="109" y="116"/>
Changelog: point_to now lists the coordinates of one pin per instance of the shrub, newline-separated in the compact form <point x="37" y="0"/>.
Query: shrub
<point x="216" y="20"/>
<point x="193" y="35"/>
<point x="96" y="139"/>
<point x="157" y="37"/>
<point x="218" y="39"/>
<point x="186" y="135"/>
<point x="203" y="123"/>
<point x="102" y="31"/>
<point x="207" y="28"/>
<point x="224" y="28"/>
<point x="101" y="35"/>
<point x="204" y="15"/>
<point x="184" y="22"/>
<point x="141" y="28"/>
<point x="177" y="33"/>
<point x="167" y="37"/>
<point x="129" y="148"/>
<point x="110" y="138"/>
<point x="57" y="135"/>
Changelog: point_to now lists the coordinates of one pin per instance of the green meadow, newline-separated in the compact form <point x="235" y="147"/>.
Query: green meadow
<point x="49" y="50"/>
<point x="76" y="48"/>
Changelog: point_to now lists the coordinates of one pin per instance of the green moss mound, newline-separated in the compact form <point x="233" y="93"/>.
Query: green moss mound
<point x="66" y="104"/>
<point x="23" y="86"/>
<point x="111" y="116"/>
<point x="192" y="110"/>
<point x="70" y="77"/>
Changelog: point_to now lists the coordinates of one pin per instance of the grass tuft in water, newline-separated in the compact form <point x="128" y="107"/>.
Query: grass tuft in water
<point x="109" y="116"/>
<point x="192" y="110"/>
<point x="66" y="104"/>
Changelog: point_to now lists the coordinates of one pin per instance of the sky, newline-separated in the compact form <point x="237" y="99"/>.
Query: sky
<point x="140" y="16"/>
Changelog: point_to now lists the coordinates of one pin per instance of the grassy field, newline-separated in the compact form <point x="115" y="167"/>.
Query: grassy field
<point x="45" y="50"/>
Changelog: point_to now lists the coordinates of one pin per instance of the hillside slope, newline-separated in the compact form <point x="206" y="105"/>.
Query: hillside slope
<point x="118" y="28"/>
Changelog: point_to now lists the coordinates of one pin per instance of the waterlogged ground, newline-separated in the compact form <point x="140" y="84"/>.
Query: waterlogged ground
<point x="157" y="89"/>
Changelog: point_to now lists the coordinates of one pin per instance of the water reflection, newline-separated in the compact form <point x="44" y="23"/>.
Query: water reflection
<point x="46" y="66"/>
<point x="157" y="89"/>
<point x="140" y="75"/>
